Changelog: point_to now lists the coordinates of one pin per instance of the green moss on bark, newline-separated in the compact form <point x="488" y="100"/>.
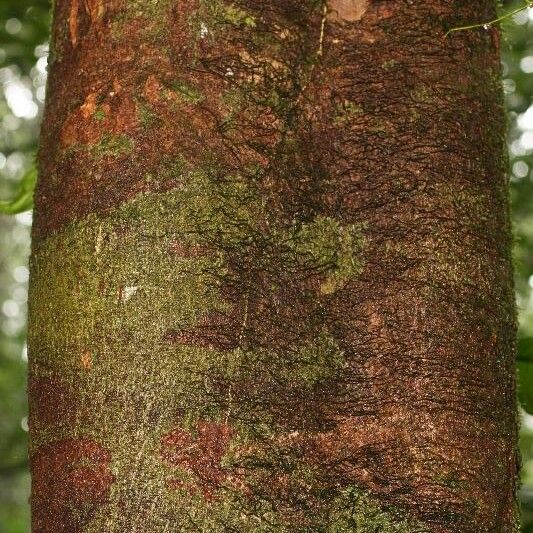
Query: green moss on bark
<point x="111" y="145"/>
<point x="133" y="309"/>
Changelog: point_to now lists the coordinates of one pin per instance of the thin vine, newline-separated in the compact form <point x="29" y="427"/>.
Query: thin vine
<point x="490" y="23"/>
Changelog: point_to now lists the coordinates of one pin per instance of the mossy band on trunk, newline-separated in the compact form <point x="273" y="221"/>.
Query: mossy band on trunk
<point x="195" y="417"/>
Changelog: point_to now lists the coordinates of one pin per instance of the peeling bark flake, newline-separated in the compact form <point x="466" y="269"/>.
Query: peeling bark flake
<point x="73" y="21"/>
<point x="89" y="106"/>
<point x="347" y="10"/>
<point x="94" y="8"/>
<point x="87" y="361"/>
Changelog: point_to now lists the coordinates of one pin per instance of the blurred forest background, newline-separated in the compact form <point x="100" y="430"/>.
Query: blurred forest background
<point x="23" y="58"/>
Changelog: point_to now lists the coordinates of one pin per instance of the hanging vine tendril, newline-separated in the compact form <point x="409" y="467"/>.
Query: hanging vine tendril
<point x="491" y="22"/>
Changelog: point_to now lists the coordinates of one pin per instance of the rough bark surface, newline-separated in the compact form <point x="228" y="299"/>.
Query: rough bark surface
<point x="271" y="278"/>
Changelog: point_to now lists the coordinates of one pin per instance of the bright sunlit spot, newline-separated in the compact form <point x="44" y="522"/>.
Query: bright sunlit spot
<point x="24" y="218"/>
<point x="20" y="100"/>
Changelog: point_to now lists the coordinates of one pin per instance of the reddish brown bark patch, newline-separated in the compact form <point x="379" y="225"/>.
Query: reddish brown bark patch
<point x="114" y="112"/>
<point x="185" y="251"/>
<point x="71" y="479"/>
<point x="52" y="401"/>
<point x="199" y="453"/>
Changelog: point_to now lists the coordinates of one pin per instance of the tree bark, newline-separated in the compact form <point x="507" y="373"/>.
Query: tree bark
<point x="271" y="278"/>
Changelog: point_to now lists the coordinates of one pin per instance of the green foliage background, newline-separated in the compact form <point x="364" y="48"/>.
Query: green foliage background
<point x="23" y="50"/>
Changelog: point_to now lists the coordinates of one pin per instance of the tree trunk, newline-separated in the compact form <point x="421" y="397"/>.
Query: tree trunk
<point x="271" y="276"/>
